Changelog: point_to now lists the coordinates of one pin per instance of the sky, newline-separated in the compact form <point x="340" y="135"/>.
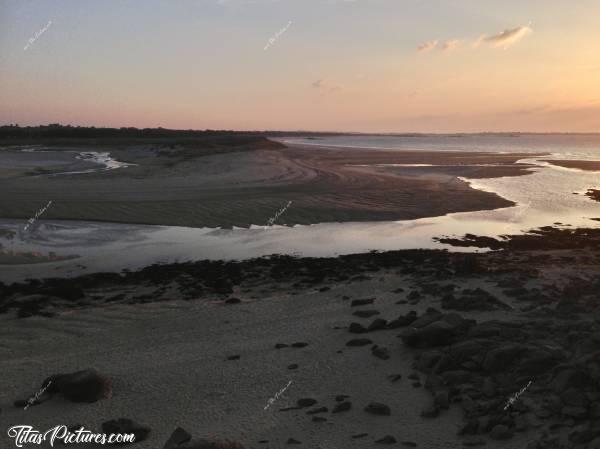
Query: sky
<point x="324" y="65"/>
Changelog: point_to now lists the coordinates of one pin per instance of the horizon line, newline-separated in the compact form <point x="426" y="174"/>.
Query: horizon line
<point x="304" y="131"/>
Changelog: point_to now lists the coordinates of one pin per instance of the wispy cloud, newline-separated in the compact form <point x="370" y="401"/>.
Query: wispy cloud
<point x="451" y="44"/>
<point x="503" y="39"/>
<point x="325" y="85"/>
<point x="427" y="46"/>
<point x="508" y="37"/>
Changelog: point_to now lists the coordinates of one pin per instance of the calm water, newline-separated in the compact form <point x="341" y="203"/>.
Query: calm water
<point x="543" y="198"/>
<point x="568" y="145"/>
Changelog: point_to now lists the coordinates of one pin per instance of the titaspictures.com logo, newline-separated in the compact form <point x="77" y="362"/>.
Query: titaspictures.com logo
<point x="24" y="434"/>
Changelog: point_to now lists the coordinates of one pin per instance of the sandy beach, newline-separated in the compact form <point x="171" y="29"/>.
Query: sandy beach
<point x="182" y="352"/>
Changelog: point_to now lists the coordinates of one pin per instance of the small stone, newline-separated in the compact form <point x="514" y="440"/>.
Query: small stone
<point x="359" y="342"/>
<point x="124" y="425"/>
<point x="360" y="435"/>
<point x="409" y="444"/>
<point x="357" y="328"/>
<point x="341" y="397"/>
<point x="317" y="410"/>
<point x="293" y="366"/>
<point x="281" y="345"/>
<point x="300" y="344"/>
<point x="342" y="407"/>
<point x="377" y="408"/>
<point x="306" y="402"/>
<point x="395" y="377"/>
<point x="381" y="353"/>
<point x="388" y="439"/>
<point x="318" y="419"/>
<point x="233" y="357"/>
<point x="472" y="442"/>
<point x="177" y="438"/>
<point x="293" y="441"/>
<point x="377" y="324"/>
<point x="365" y="313"/>
<point x="362" y="302"/>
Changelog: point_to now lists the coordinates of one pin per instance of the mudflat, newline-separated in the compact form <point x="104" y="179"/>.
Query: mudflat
<point x="180" y="185"/>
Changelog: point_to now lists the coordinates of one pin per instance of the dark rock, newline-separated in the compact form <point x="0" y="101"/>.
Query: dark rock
<point x="81" y="386"/>
<point x="124" y="425"/>
<point x="414" y="295"/>
<point x="365" y="313"/>
<point x="359" y="342"/>
<point x="342" y="407"/>
<point x="499" y="359"/>
<point x="233" y="301"/>
<point x="380" y="352"/>
<point x="341" y="397"/>
<point x="362" y="302"/>
<point x="306" y="402"/>
<point x="477" y="299"/>
<point x="377" y="324"/>
<point x="472" y="442"/>
<point x="281" y="345"/>
<point x="440" y="331"/>
<point x="177" y="438"/>
<point x="357" y="328"/>
<point x="388" y="439"/>
<point x="300" y="344"/>
<point x="233" y="357"/>
<point x="403" y="320"/>
<point x="293" y="441"/>
<point x="360" y="435"/>
<point x="293" y="366"/>
<point x="317" y="410"/>
<point x="409" y="444"/>
<point x="395" y="377"/>
<point x="377" y="408"/>
<point x="318" y="419"/>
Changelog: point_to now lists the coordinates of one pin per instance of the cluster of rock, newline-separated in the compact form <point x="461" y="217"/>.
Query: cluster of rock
<point x="482" y="365"/>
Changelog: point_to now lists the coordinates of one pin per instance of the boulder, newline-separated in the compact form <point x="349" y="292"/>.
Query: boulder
<point x="81" y="386"/>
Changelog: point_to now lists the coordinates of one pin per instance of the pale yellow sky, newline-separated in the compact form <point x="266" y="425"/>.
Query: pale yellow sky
<point x="365" y="65"/>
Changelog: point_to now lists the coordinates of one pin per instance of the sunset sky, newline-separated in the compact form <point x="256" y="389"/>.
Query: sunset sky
<point x="339" y="65"/>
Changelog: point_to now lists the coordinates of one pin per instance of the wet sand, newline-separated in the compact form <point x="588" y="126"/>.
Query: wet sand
<point x="249" y="187"/>
<point x="580" y="165"/>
